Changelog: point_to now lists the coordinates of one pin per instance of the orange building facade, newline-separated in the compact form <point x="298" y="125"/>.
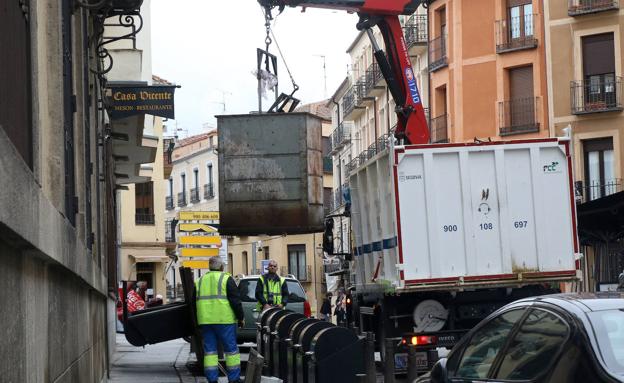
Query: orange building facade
<point x="487" y="70"/>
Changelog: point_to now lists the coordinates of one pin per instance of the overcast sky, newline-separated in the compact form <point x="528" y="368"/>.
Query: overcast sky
<point x="209" y="48"/>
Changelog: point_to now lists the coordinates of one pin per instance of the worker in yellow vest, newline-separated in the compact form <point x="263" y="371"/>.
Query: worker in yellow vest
<point x="271" y="289"/>
<point x="219" y="309"/>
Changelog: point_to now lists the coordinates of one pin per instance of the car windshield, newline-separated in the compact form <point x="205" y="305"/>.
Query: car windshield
<point x="609" y="327"/>
<point x="247" y="288"/>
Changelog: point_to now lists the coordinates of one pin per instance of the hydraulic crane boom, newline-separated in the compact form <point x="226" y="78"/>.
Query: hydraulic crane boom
<point x="394" y="64"/>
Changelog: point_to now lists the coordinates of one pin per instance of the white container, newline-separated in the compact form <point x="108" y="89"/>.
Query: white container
<point x="465" y="215"/>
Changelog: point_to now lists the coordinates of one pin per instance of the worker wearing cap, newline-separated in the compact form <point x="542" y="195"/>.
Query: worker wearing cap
<point x="271" y="290"/>
<point x="219" y="308"/>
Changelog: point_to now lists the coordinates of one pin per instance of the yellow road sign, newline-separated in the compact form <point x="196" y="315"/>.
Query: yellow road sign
<point x="200" y="240"/>
<point x="199" y="215"/>
<point x="197" y="252"/>
<point x="195" y="264"/>
<point x="189" y="227"/>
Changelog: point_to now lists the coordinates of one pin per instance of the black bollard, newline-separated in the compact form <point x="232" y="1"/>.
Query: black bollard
<point x="412" y="365"/>
<point x="389" y="366"/>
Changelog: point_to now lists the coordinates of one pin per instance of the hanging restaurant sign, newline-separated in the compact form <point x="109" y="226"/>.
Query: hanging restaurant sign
<point x="127" y="101"/>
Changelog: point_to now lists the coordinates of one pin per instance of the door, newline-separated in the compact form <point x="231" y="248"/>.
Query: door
<point x="521" y="99"/>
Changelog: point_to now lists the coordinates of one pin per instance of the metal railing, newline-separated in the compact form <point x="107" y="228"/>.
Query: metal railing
<point x="415" y="30"/>
<point x="337" y="199"/>
<point x="341" y="136"/>
<point x="209" y="191"/>
<point x="195" y="195"/>
<point x="372" y="77"/>
<point x="596" y="96"/>
<point x="181" y="199"/>
<point x="379" y="145"/>
<point x="596" y="189"/>
<point x="169" y="230"/>
<point x="516" y="33"/>
<point x="302" y="275"/>
<point x="439" y="129"/>
<point x="437" y="53"/>
<point x="144" y="219"/>
<point x="169" y="203"/>
<point x="360" y="90"/>
<point x="348" y="101"/>
<point x="518" y="116"/>
<point x="328" y="165"/>
<point x="581" y="7"/>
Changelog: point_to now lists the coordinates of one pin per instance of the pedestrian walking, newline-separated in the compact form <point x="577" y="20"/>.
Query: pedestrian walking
<point x="340" y="311"/>
<point x="326" y="311"/>
<point x="271" y="290"/>
<point x="219" y="308"/>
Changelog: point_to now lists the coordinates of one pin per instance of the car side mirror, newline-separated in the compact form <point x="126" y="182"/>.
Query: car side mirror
<point x="439" y="373"/>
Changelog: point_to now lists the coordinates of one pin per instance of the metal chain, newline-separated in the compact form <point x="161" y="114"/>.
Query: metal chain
<point x="267" y="25"/>
<point x="268" y="40"/>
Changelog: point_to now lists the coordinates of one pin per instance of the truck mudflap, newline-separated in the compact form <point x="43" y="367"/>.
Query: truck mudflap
<point x="427" y="346"/>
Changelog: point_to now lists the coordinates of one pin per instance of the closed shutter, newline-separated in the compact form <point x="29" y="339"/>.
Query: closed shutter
<point x="598" y="54"/>
<point x="521" y="83"/>
<point x="15" y="95"/>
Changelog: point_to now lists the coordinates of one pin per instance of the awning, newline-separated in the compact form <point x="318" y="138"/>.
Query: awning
<point x="150" y="258"/>
<point x="603" y="216"/>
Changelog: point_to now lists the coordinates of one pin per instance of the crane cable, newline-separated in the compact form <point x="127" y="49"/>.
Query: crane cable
<point x="271" y="38"/>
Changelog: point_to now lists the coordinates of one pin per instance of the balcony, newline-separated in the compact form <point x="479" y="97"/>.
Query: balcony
<point x="516" y="33"/>
<point x="583" y="7"/>
<point x="195" y="195"/>
<point x="415" y="31"/>
<point x="594" y="190"/>
<point x="181" y="199"/>
<point x="170" y="230"/>
<point x="169" y="203"/>
<point x="336" y="267"/>
<point x="338" y="199"/>
<point x="439" y="129"/>
<point x="341" y="136"/>
<point x="437" y="53"/>
<point x="596" y="96"/>
<point x="144" y="219"/>
<point x="348" y="102"/>
<point x="518" y="116"/>
<point x="328" y="165"/>
<point x="302" y="274"/>
<point x="168" y="145"/>
<point x="373" y="81"/>
<point x="209" y="191"/>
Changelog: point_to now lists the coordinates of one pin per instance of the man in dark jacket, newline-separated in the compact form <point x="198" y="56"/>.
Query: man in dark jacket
<point x="271" y="290"/>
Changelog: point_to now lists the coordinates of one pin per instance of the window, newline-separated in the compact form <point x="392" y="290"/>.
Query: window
<point x="171" y="187"/>
<point x="599" y="71"/>
<point x="481" y="350"/>
<point x="520" y="13"/>
<point x="519" y="111"/>
<point x="144" y="203"/>
<point x="265" y="250"/>
<point x="15" y="93"/>
<point x="599" y="168"/>
<point x="297" y="261"/>
<point x="196" y="178"/>
<point x="609" y="327"/>
<point x="536" y="344"/>
<point x="245" y="268"/>
<point x="182" y="183"/>
<point x="230" y="264"/>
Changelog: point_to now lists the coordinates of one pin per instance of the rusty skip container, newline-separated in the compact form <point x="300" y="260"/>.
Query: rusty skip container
<point x="270" y="174"/>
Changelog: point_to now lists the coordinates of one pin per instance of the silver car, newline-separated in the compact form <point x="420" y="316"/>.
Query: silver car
<point x="297" y="302"/>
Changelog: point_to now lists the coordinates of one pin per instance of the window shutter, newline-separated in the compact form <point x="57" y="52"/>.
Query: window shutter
<point x="598" y="54"/>
<point x="521" y="83"/>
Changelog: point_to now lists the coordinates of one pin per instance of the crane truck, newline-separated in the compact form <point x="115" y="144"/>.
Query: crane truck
<point x="445" y="234"/>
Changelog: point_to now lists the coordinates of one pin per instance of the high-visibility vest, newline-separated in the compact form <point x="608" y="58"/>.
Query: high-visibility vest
<point x="273" y="287"/>
<point x="213" y="306"/>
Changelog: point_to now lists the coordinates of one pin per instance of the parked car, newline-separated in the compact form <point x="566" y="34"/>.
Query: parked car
<point x="297" y="302"/>
<point x="553" y="338"/>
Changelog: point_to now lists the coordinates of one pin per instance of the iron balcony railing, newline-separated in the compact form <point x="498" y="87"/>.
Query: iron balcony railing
<point x="169" y="230"/>
<point x="181" y="199"/>
<point x="415" y="30"/>
<point x="341" y="136"/>
<point x="348" y="101"/>
<point x="328" y="165"/>
<point x="439" y="129"/>
<point x="437" y="53"/>
<point x="169" y="202"/>
<point x="302" y="274"/>
<point x="582" y="7"/>
<point x="373" y="77"/>
<point x="195" y="195"/>
<point x="144" y="219"/>
<point x="338" y="198"/>
<point x="518" y="116"/>
<point x="593" y="190"/>
<point x="593" y="96"/>
<point x="209" y="191"/>
<point x="360" y="90"/>
<point x="516" y="33"/>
